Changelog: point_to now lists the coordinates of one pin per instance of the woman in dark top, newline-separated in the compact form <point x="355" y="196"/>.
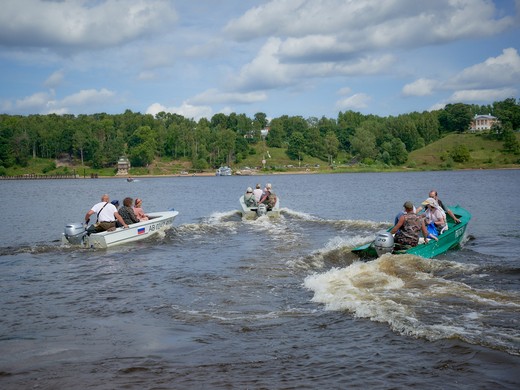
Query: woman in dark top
<point x="127" y="212"/>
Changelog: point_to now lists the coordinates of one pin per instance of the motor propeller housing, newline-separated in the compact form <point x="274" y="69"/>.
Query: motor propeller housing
<point x="261" y="210"/>
<point x="384" y="243"/>
<point x="74" y="233"/>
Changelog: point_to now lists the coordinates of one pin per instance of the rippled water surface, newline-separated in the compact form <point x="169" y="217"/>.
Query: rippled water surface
<point x="217" y="302"/>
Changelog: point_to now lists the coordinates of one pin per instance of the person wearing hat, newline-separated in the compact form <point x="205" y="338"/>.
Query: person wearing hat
<point x="433" y="194"/>
<point x="269" y="197"/>
<point x="406" y="231"/>
<point x="435" y="215"/>
<point x="249" y="198"/>
<point x="138" y="210"/>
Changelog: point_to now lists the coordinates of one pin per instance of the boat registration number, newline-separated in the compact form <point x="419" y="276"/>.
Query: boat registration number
<point x="459" y="232"/>
<point x="158" y="225"/>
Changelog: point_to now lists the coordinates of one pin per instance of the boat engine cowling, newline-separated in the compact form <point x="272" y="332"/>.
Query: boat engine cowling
<point x="384" y="243"/>
<point x="74" y="233"/>
<point x="261" y="210"/>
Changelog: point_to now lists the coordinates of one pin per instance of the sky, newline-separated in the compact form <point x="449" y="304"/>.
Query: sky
<point x="309" y="58"/>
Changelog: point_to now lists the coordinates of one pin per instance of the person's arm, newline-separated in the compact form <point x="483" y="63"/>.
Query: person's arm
<point x="441" y="220"/>
<point x="398" y="226"/>
<point x="87" y="216"/>
<point x="120" y="219"/>
<point x="453" y="216"/>
<point x="424" y="231"/>
<point x="449" y="212"/>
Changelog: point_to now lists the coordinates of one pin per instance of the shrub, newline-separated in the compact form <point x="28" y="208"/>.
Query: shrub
<point x="50" y="167"/>
<point x="460" y="153"/>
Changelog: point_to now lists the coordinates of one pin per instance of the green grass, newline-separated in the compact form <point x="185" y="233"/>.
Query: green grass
<point x="484" y="153"/>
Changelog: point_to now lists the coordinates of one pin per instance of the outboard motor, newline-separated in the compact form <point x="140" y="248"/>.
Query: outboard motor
<point x="261" y="210"/>
<point x="384" y="243"/>
<point x="74" y="233"/>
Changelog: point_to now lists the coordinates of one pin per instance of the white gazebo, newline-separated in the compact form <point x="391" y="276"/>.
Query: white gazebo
<point x="123" y="165"/>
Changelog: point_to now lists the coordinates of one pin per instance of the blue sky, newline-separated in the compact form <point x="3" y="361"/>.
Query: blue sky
<point x="311" y="58"/>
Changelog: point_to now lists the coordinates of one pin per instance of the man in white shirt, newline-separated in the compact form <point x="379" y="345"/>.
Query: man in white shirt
<point x="258" y="193"/>
<point x="106" y="215"/>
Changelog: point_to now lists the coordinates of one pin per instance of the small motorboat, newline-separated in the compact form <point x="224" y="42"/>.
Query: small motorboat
<point x="451" y="238"/>
<point x="224" y="171"/>
<point x="76" y="233"/>
<point x="258" y="211"/>
<point x="129" y="179"/>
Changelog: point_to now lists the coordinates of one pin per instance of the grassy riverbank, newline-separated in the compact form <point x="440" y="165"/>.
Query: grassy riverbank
<point x="483" y="154"/>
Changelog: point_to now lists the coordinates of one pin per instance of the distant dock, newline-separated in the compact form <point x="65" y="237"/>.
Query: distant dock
<point x="40" y="177"/>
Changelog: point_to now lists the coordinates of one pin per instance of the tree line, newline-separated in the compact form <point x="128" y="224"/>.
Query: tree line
<point x="98" y="140"/>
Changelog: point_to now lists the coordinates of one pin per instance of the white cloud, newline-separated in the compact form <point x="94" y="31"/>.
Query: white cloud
<point x="186" y="110"/>
<point x="147" y="75"/>
<point x="499" y="71"/>
<point x="212" y="96"/>
<point x="266" y="71"/>
<point x="355" y="102"/>
<point x="34" y="103"/>
<point x="77" y="24"/>
<point x="420" y="87"/>
<point x="87" y="97"/>
<point x="344" y="91"/>
<point x="45" y="102"/>
<point x="371" y="23"/>
<point x="494" y="79"/>
<point x="482" y="95"/>
<point x="54" y="79"/>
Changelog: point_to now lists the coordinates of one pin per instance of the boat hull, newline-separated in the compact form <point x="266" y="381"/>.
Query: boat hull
<point x="158" y="222"/>
<point x="252" y="212"/>
<point x="450" y="239"/>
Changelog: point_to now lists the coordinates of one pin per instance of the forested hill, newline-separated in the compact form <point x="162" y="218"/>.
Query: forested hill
<point x="97" y="141"/>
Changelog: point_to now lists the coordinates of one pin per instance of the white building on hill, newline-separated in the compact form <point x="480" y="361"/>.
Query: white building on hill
<point x="482" y="122"/>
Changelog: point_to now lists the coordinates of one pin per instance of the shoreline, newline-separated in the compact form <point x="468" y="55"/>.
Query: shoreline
<point x="211" y="174"/>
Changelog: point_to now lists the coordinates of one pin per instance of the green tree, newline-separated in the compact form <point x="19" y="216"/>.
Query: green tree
<point x="260" y="121"/>
<point x="331" y="145"/>
<point x="314" y="144"/>
<point x="363" y="142"/>
<point x="508" y="111"/>
<point x="276" y="134"/>
<point x="455" y="117"/>
<point x="511" y="143"/>
<point x="296" y="147"/>
<point x="142" y="146"/>
<point x="394" y="152"/>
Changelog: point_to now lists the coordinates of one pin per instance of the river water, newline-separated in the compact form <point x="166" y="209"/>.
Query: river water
<point x="218" y="303"/>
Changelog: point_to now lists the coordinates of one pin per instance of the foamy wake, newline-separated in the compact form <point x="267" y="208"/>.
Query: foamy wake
<point x="404" y="292"/>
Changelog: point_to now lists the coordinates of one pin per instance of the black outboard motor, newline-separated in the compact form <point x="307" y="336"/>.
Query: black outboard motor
<point x="74" y="233"/>
<point x="384" y="243"/>
<point x="261" y="210"/>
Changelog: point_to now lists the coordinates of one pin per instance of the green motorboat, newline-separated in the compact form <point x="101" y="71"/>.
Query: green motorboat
<point x="450" y="239"/>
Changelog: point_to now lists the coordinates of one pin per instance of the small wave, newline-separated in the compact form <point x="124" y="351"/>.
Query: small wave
<point x="195" y="230"/>
<point x="337" y="251"/>
<point x="205" y="315"/>
<point x="38" y="248"/>
<point x="220" y="217"/>
<point x="299" y="215"/>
